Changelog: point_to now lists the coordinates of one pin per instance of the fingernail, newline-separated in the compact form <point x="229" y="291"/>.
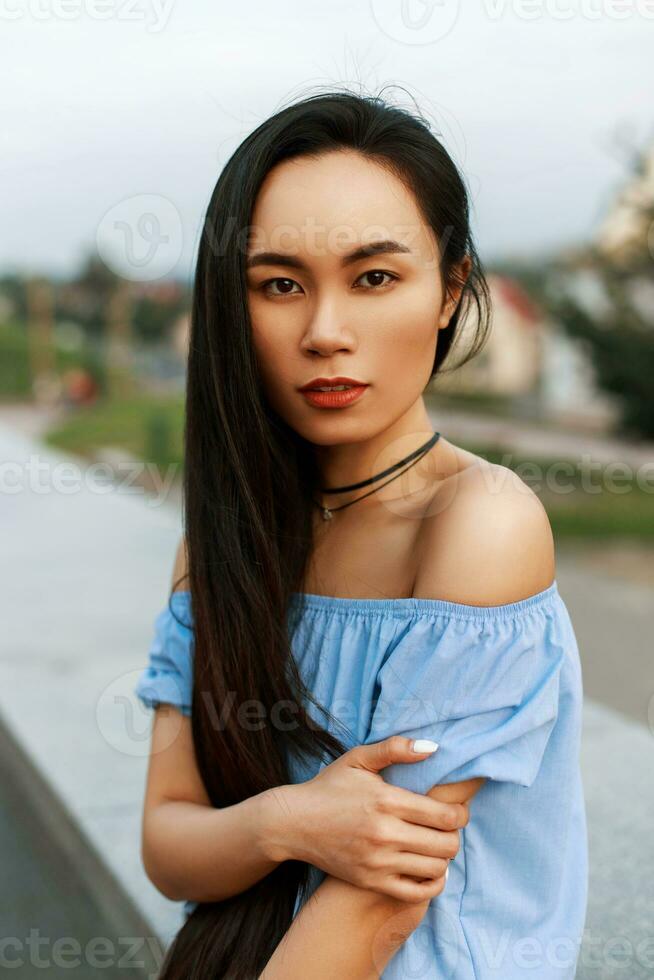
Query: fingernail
<point x="447" y="870"/>
<point x="423" y="745"/>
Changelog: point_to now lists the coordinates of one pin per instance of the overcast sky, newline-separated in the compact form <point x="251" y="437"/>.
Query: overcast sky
<point x="107" y="104"/>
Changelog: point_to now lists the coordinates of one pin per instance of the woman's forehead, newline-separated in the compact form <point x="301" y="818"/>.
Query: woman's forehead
<point x="332" y="205"/>
<point x="335" y="188"/>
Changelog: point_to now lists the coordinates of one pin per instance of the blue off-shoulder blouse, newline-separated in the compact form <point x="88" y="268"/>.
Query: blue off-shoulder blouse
<point x="500" y="689"/>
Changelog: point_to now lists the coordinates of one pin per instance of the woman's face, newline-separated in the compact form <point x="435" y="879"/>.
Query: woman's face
<point x="319" y="311"/>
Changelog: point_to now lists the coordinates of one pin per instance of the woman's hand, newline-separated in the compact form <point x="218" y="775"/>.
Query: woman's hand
<point x="353" y="825"/>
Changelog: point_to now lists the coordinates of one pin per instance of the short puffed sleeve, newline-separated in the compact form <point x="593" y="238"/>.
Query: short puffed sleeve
<point x="483" y="682"/>
<point x="168" y="676"/>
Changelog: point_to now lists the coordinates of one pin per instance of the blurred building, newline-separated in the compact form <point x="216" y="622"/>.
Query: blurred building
<point x="530" y="362"/>
<point x="509" y="363"/>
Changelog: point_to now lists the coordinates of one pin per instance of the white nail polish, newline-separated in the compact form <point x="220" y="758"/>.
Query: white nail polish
<point x="424" y="745"/>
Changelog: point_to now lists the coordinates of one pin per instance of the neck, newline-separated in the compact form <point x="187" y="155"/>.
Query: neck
<point x="347" y="463"/>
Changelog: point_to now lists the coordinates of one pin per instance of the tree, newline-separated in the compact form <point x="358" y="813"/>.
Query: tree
<point x="603" y="295"/>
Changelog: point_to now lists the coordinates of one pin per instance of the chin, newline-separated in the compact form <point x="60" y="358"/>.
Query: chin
<point x="336" y="432"/>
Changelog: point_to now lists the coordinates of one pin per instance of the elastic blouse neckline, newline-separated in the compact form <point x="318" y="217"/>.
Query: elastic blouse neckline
<point x="412" y="606"/>
<point x="429" y="607"/>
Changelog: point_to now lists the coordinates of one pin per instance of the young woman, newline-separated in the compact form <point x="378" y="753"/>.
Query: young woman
<point x="350" y="581"/>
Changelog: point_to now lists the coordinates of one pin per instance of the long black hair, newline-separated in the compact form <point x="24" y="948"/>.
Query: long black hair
<point x="249" y="482"/>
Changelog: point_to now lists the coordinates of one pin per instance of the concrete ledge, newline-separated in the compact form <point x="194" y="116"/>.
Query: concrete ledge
<point x="58" y="830"/>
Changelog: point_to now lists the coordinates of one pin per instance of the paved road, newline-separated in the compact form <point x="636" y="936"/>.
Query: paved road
<point x="614" y="620"/>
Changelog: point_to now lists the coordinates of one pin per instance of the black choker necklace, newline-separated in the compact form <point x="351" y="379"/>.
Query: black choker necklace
<point x="416" y="455"/>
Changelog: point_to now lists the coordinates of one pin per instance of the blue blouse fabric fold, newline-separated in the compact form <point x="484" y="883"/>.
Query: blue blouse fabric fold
<point x="168" y="676"/>
<point x="500" y="689"/>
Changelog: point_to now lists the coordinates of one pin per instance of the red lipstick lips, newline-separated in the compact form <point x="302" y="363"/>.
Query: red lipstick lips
<point x="348" y="390"/>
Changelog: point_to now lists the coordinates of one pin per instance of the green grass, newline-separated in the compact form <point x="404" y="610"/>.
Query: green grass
<point x="15" y="378"/>
<point x="603" y="516"/>
<point x="470" y="401"/>
<point x="16" y="370"/>
<point x="149" y="428"/>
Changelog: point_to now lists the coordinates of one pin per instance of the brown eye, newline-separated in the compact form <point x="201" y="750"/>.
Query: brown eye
<point x="376" y="274"/>
<point x="285" y="291"/>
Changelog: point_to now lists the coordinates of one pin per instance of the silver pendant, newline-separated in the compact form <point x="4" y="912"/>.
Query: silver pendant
<point x="326" y="514"/>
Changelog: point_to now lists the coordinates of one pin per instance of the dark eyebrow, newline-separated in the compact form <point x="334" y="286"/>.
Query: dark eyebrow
<point x="388" y="246"/>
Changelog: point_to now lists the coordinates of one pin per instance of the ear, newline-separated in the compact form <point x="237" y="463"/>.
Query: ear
<point x="458" y="277"/>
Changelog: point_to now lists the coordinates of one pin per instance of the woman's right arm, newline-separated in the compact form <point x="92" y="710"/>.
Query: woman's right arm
<point x="194" y="851"/>
<point x="191" y="850"/>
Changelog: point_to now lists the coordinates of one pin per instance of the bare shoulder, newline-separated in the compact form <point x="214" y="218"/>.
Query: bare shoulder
<point x="486" y="540"/>
<point x="180" y="568"/>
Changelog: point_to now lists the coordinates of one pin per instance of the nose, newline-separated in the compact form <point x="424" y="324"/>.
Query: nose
<point x="327" y="332"/>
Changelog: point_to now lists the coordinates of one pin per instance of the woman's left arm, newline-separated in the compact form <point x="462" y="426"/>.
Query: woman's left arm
<point x="346" y="931"/>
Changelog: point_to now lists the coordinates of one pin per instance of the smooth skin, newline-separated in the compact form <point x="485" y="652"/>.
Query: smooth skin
<point x="453" y="527"/>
